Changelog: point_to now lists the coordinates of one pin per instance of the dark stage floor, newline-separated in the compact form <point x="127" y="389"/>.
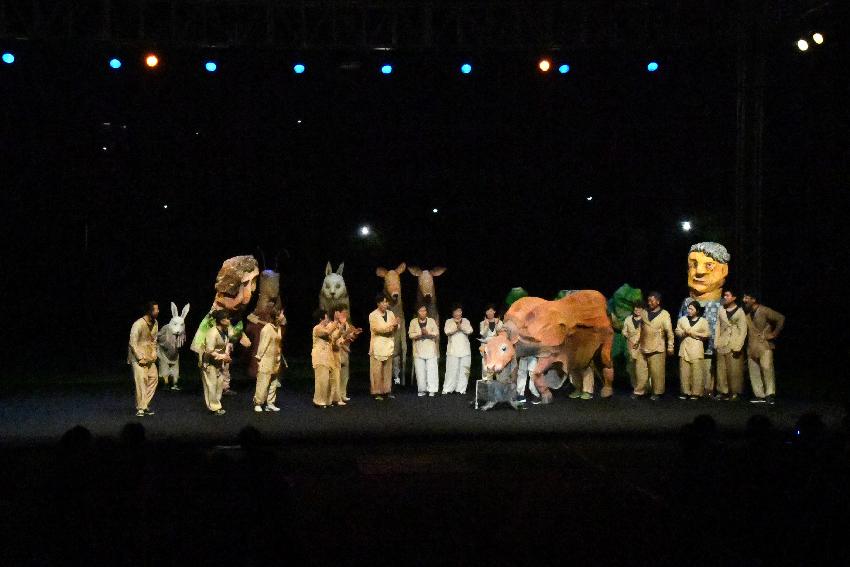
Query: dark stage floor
<point x="43" y="414"/>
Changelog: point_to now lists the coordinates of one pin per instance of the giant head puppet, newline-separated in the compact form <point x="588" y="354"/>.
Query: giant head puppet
<point x="708" y="266"/>
<point x="333" y="292"/>
<point x="426" y="290"/>
<point x="567" y="336"/>
<point x="234" y="286"/>
<point x="392" y="290"/>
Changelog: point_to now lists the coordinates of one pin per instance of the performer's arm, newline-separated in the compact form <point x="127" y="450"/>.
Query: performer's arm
<point x="777" y="322"/>
<point x="466" y="327"/>
<point x="668" y="329"/>
<point x="135" y="331"/>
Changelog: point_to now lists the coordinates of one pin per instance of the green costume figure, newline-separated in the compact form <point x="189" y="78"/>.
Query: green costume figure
<point x="620" y="306"/>
<point x="514" y="294"/>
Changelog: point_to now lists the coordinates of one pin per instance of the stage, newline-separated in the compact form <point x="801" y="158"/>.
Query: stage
<point x="41" y="414"/>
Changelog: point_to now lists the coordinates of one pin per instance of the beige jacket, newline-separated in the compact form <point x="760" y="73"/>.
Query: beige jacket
<point x="213" y="344"/>
<point x="268" y="351"/>
<point x="324" y="340"/>
<point x="632" y="336"/>
<point x="486" y="333"/>
<point x="458" y="336"/>
<point x="730" y="334"/>
<point x="382" y="343"/>
<point x="693" y="346"/>
<point x="142" y="342"/>
<point x="656" y="335"/>
<point x="424" y="348"/>
<point x="759" y="325"/>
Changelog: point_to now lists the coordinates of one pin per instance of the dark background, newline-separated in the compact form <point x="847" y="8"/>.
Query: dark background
<point x="508" y="156"/>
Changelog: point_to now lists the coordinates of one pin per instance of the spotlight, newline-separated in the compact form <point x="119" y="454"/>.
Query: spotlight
<point x="544" y="65"/>
<point x="686" y="226"/>
<point x="802" y="44"/>
<point x="652" y="66"/>
<point x="589" y="197"/>
<point x="115" y="63"/>
<point x="151" y="61"/>
<point x="210" y="66"/>
<point x="435" y="211"/>
<point x="165" y="206"/>
<point x="365" y="230"/>
<point x="299" y="68"/>
<point x="817" y="38"/>
<point x="564" y="69"/>
<point x="8" y="58"/>
<point x="387" y="69"/>
<point x="466" y="68"/>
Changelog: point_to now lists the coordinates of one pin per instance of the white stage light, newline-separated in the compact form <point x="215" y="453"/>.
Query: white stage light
<point x="817" y="38"/>
<point x="802" y="45"/>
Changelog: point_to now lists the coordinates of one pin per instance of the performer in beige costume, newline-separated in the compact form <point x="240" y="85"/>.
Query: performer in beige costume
<point x="425" y="334"/>
<point x="693" y="329"/>
<point x="631" y="332"/>
<point x="382" y="324"/>
<point x="215" y="355"/>
<point x="141" y="356"/>
<point x="326" y="337"/>
<point x="488" y="328"/>
<point x="349" y="333"/>
<point x="656" y="344"/>
<point x="763" y="326"/>
<point x="730" y="336"/>
<point x="269" y="361"/>
<point x="458" y="353"/>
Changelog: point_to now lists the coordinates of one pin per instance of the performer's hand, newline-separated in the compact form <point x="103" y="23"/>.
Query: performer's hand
<point x="770" y="336"/>
<point x="670" y="352"/>
<point x="226" y="359"/>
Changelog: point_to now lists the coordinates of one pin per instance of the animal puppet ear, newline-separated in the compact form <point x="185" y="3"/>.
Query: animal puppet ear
<point x="401" y="268"/>
<point x="173" y="310"/>
<point x="415" y="271"/>
<point x="328" y="269"/>
<point x="339" y="270"/>
<point x="438" y="271"/>
<point x="381" y="272"/>
<point x="185" y="311"/>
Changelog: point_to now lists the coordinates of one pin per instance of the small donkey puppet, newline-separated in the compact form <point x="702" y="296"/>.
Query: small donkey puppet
<point x="169" y="341"/>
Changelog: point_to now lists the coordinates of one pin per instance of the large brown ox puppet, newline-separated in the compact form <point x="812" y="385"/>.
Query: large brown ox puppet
<point x="567" y="336"/>
<point x="392" y="290"/>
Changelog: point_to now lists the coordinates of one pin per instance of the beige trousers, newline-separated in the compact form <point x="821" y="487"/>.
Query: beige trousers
<point x="730" y="373"/>
<point x="691" y="377"/>
<point x="582" y="380"/>
<point x="266" y="391"/>
<point x="380" y="376"/>
<point x="146" y="379"/>
<point x="631" y="370"/>
<point x="762" y="375"/>
<point x="326" y="389"/>
<point x="213" y="380"/>
<point x="707" y="376"/>
<point x="650" y="368"/>
<point x="343" y="380"/>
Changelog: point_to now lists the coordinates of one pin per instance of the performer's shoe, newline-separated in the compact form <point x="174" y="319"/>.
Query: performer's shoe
<point x="655" y="397"/>
<point x="219" y="412"/>
<point x="536" y="401"/>
<point x="586" y="396"/>
<point x="421" y="394"/>
<point x="175" y="387"/>
<point x="575" y="395"/>
<point x="520" y="399"/>
<point x="637" y="396"/>
<point x="758" y="401"/>
<point x="258" y="409"/>
<point x="431" y="394"/>
<point x="140" y="413"/>
<point x="346" y="399"/>
<point x="379" y="398"/>
<point x="683" y="396"/>
<point x="320" y="406"/>
<point x="771" y="399"/>
<point x="390" y="397"/>
<point x="733" y="398"/>
<point x="272" y="407"/>
<point x="229" y="392"/>
<point x="341" y="403"/>
<point x="693" y="397"/>
<point x="149" y="412"/>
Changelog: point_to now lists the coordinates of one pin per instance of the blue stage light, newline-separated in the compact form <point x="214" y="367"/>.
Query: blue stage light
<point x="210" y="66"/>
<point x="8" y="58"/>
<point x="115" y="63"/>
<point x="387" y="69"/>
<point x="652" y="66"/>
<point x="299" y="68"/>
<point x="466" y="68"/>
<point x="564" y="69"/>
